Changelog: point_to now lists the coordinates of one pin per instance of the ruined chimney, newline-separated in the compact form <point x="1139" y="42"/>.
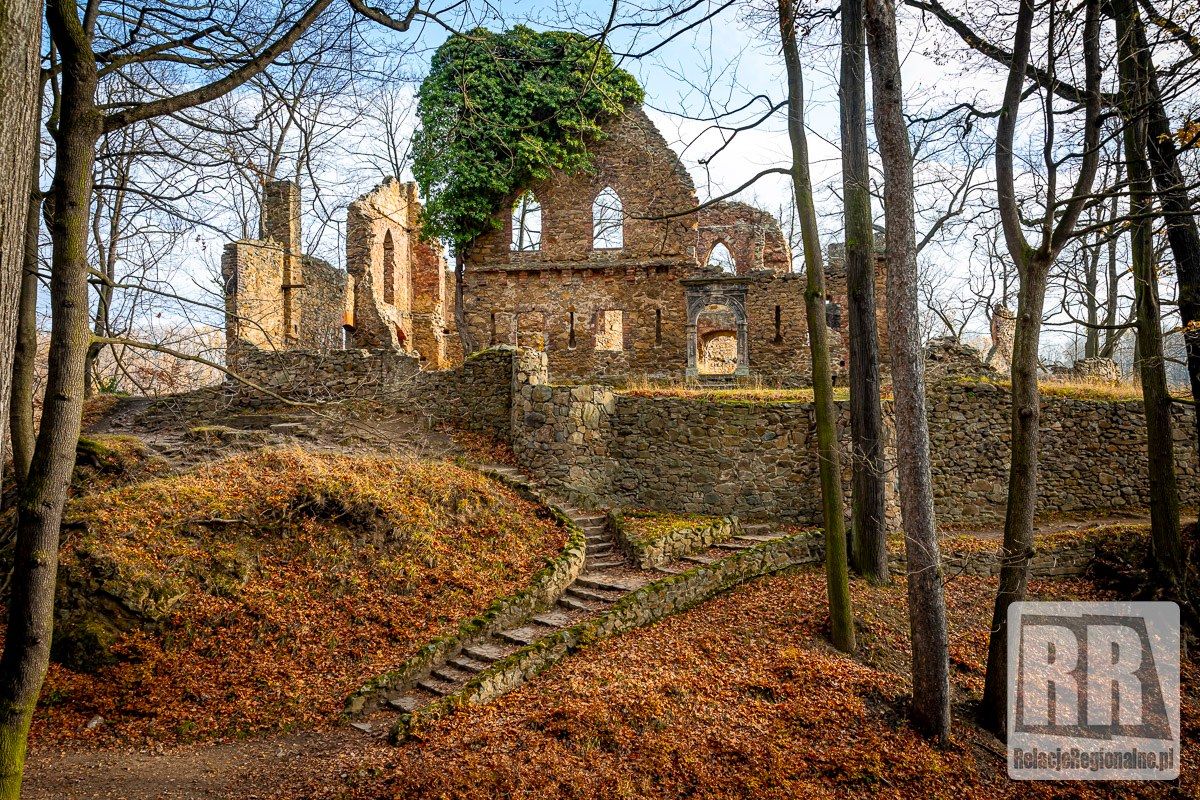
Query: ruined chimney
<point x="280" y="221"/>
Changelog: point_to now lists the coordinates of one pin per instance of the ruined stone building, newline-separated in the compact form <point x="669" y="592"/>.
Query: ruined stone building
<point x="393" y="294"/>
<point x="612" y="272"/>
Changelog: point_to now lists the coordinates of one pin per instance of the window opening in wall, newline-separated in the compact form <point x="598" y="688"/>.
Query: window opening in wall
<point x="657" y="327"/>
<point x="389" y="269"/>
<point x="571" y="330"/>
<point x="527" y="223"/>
<point x="610" y="331"/>
<point x="720" y="258"/>
<point x="492" y="336"/>
<point x="778" y="325"/>
<point x="608" y="221"/>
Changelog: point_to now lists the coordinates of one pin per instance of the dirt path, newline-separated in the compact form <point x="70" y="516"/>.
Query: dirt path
<point x="248" y="769"/>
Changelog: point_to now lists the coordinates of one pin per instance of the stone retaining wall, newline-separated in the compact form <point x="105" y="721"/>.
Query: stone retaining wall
<point x="1092" y="455"/>
<point x="682" y="541"/>
<point x="315" y="376"/>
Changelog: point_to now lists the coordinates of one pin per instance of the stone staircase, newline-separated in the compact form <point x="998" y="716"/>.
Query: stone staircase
<point x="606" y="578"/>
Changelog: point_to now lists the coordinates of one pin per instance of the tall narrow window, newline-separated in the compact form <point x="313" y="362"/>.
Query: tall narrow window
<point x="571" y="330"/>
<point x="722" y="259"/>
<point x="492" y="335"/>
<point x="527" y="223"/>
<point x="608" y="221"/>
<point x="778" y="325"/>
<point x="657" y="327"/>
<point x="389" y="269"/>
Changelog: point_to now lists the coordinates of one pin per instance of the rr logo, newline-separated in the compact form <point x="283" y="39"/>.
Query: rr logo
<point x="1093" y="690"/>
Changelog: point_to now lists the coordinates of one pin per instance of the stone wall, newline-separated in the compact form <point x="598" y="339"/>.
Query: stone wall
<point x="752" y="236"/>
<point x="562" y="433"/>
<point x="1092" y="456"/>
<point x="310" y="375"/>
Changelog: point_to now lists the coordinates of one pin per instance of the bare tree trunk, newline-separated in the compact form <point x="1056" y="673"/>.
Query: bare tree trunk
<point x="25" y="354"/>
<point x="1183" y="235"/>
<point x="926" y="602"/>
<point x="20" y="56"/>
<point x="868" y="516"/>
<point x="1033" y="265"/>
<point x="1091" y="285"/>
<point x="1164" y="491"/>
<point x="31" y="608"/>
<point x="837" y="573"/>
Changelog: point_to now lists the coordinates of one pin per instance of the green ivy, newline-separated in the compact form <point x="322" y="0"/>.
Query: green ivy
<point x="499" y="111"/>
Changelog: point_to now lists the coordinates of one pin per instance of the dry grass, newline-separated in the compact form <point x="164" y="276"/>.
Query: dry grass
<point x="756" y="392"/>
<point x="1082" y="389"/>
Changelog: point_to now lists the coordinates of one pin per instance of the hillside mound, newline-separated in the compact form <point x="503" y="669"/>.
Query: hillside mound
<point x="257" y="591"/>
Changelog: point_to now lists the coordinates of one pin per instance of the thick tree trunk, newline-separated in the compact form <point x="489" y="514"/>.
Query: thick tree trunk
<point x="1164" y="491"/>
<point x="926" y="601"/>
<point x="837" y="576"/>
<point x="39" y="515"/>
<point x="868" y="518"/>
<point x="20" y="55"/>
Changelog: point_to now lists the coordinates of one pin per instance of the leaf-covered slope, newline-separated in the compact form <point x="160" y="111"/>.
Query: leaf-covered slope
<point x="257" y="591"/>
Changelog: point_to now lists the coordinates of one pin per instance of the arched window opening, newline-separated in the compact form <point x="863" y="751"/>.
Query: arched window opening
<point x="571" y="331"/>
<point x="722" y="259"/>
<point x="527" y="223"/>
<point x="389" y="269"/>
<point x="608" y="221"/>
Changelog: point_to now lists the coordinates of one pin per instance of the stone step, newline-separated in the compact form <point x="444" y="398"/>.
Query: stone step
<point x="668" y="570"/>
<point x="552" y="619"/>
<point x="451" y="674"/>
<point x="593" y="581"/>
<point x="522" y="635"/>
<point x="440" y="688"/>
<point x="597" y="538"/>
<point x="699" y="559"/>
<point x="735" y="545"/>
<point x="599" y="549"/>
<point x="576" y="604"/>
<point x="405" y="703"/>
<point x="590" y="520"/>
<point x="588" y="594"/>
<point x="485" y="652"/>
<point x="468" y="664"/>
<point x="605" y="562"/>
<point x="755" y="538"/>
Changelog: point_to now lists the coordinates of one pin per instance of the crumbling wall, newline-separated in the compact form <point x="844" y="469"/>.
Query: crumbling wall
<point x="399" y="280"/>
<point x="752" y="236"/>
<point x="277" y="298"/>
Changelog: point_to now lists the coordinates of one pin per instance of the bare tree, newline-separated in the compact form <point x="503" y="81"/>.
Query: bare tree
<point x="869" y="524"/>
<point x="836" y="567"/>
<point x="1033" y="264"/>
<point x="926" y="603"/>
